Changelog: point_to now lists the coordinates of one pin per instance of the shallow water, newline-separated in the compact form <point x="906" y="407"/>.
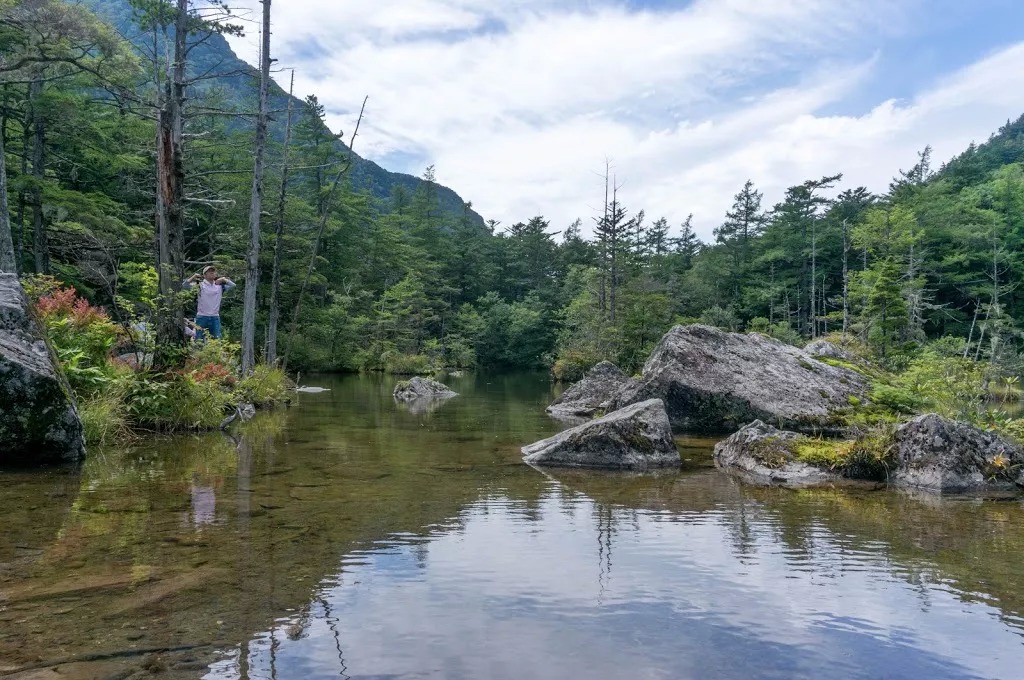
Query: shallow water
<point x="350" y="537"/>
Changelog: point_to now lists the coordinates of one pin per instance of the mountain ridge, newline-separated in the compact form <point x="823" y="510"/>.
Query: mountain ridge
<point x="366" y="174"/>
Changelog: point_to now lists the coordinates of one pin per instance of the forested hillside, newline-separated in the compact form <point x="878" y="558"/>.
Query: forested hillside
<point x="402" y="282"/>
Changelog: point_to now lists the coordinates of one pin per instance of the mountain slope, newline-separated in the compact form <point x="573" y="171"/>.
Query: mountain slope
<point x="217" y="54"/>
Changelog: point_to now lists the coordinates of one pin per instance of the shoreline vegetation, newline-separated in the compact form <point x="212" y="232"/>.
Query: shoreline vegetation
<point x="366" y="271"/>
<point x="118" y="393"/>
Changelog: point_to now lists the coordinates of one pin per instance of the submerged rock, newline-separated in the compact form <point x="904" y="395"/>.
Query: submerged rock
<point x="593" y="393"/>
<point x="711" y="380"/>
<point x="946" y="456"/>
<point x="636" y="437"/>
<point x="422" y="388"/>
<point x="765" y="455"/>
<point x="39" y="423"/>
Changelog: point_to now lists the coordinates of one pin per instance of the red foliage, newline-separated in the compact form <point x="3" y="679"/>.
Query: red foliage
<point x="214" y="372"/>
<point x="64" y="303"/>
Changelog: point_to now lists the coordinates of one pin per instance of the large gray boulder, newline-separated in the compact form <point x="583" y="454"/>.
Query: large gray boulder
<point x="637" y="437"/>
<point x="764" y="455"/>
<point x="946" y="456"/>
<point x="591" y="394"/>
<point x="422" y="388"/>
<point x="39" y="423"/>
<point x="711" y="380"/>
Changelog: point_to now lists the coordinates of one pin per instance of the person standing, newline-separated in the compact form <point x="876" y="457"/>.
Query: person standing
<point x="211" y="289"/>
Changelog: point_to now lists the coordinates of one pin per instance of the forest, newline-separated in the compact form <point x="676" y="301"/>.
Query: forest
<point x="129" y="164"/>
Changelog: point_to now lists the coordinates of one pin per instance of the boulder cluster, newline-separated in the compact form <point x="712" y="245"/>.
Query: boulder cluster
<point x="786" y="408"/>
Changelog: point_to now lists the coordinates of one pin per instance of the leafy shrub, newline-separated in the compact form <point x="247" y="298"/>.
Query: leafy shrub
<point x="779" y="330"/>
<point x="105" y="417"/>
<point x="897" y="399"/>
<point x="720" y="317"/>
<point x="571" y="365"/>
<point x="213" y="351"/>
<point x="75" y="325"/>
<point x="397" y="363"/>
<point x="173" y="401"/>
<point x="266" y="385"/>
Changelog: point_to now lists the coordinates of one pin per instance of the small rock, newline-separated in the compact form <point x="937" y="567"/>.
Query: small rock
<point x="593" y="393"/>
<point x="422" y="388"/>
<point x="762" y="455"/>
<point x="636" y="437"/>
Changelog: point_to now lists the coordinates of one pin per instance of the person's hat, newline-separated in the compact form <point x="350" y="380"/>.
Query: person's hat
<point x="208" y="268"/>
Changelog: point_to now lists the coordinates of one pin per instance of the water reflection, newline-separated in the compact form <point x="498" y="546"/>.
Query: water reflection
<point x="351" y="538"/>
<point x="510" y="594"/>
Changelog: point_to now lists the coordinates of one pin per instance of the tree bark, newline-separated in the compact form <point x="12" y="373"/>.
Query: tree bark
<point x="275" y="284"/>
<point x="8" y="261"/>
<point x="252" y="260"/>
<point x="170" y="200"/>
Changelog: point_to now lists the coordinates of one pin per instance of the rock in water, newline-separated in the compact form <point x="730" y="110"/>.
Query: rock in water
<point x="636" y="437"/>
<point x="762" y="454"/>
<point x="39" y="423"/>
<point x="712" y="380"/>
<point x="593" y="393"/>
<point x="422" y="388"/>
<point x="942" y="455"/>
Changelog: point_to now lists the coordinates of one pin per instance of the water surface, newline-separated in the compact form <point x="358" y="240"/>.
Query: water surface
<point x="351" y="537"/>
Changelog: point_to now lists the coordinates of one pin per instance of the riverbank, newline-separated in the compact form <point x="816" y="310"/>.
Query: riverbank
<point x="120" y="395"/>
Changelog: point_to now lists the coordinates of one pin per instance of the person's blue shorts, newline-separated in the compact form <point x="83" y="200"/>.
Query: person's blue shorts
<point x="207" y="324"/>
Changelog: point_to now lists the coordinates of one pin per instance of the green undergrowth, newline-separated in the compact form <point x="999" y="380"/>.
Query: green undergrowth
<point x="117" y="398"/>
<point x="935" y="379"/>
<point x="869" y="456"/>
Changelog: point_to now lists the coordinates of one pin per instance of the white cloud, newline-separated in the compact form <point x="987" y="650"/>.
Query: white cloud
<point x="518" y="104"/>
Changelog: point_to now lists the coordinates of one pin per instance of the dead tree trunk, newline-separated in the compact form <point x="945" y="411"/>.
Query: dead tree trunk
<point x="252" y="260"/>
<point x="8" y="261"/>
<point x="170" y="200"/>
<point x="275" y="284"/>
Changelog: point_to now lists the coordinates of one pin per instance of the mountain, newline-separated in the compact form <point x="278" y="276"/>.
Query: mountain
<point x="217" y="55"/>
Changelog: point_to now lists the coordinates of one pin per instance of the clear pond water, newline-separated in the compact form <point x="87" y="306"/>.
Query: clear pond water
<point x="348" y="537"/>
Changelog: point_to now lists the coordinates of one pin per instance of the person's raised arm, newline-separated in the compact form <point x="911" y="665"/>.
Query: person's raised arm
<point x="187" y="283"/>
<point x="226" y="282"/>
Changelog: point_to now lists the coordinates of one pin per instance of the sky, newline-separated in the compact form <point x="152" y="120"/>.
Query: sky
<point x="519" y="104"/>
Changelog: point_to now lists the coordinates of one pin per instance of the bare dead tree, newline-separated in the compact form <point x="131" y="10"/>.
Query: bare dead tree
<point x="252" y="261"/>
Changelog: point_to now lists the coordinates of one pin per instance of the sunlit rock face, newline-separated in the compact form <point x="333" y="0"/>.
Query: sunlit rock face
<point x="711" y="380"/>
